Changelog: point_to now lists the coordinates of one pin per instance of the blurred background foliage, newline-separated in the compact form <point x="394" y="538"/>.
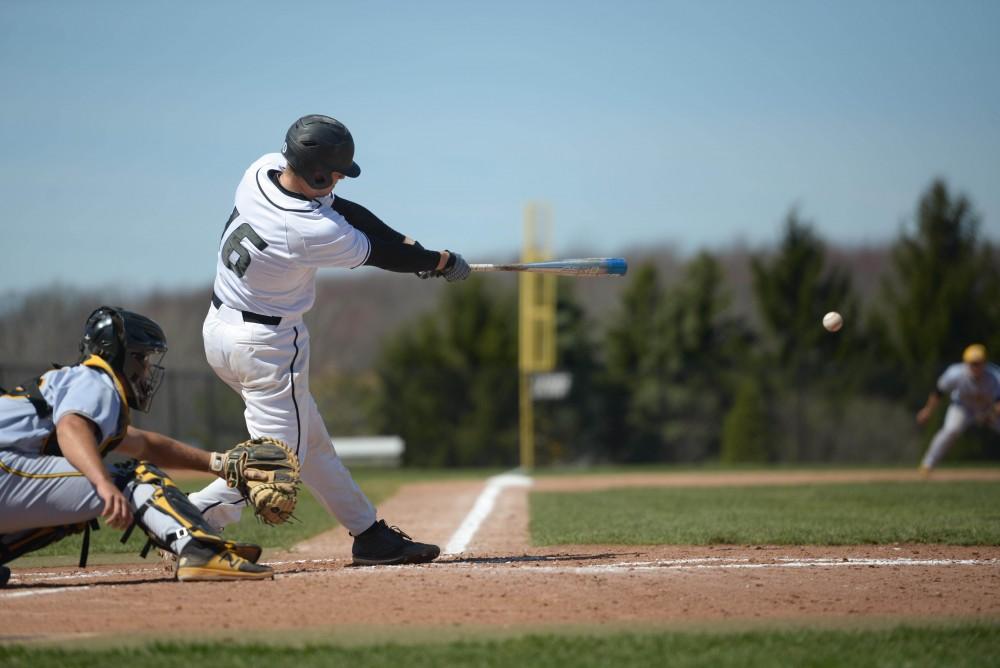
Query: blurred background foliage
<point x="708" y="358"/>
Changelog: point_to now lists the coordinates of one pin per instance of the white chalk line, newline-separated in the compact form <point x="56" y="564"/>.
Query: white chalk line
<point x="482" y="508"/>
<point x="721" y="564"/>
<point x="522" y="566"/>
<point x="39" y="592"/>
<point x="302" y="561"/>
<point x="88" y="575"/>
<point x="97" y="574"/>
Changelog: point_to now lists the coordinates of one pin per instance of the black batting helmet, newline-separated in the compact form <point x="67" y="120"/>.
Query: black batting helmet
<point x="317" y="145"/>
<point x="127" y="341"/>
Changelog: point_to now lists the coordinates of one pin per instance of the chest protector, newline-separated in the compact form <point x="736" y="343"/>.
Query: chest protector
<point x="31" y="390"/>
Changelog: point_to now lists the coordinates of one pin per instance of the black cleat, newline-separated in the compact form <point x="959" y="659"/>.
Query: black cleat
<point x="381" y="544"/>
<point x="4" y="576"/>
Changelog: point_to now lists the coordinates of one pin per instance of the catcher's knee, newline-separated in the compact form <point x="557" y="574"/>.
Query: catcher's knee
<point x="168" y="499"/>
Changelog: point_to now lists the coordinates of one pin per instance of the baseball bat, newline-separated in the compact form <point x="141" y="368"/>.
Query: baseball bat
<point x="588" y="266"/>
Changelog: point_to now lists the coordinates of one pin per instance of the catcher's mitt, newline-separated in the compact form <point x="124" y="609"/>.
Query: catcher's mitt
<point x="266" y="471"/>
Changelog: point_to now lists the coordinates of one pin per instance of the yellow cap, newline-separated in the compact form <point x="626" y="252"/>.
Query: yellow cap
<point x="974" y="353"/>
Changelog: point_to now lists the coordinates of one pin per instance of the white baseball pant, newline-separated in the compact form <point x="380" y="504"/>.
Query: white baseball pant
<point x="268" y="366"/>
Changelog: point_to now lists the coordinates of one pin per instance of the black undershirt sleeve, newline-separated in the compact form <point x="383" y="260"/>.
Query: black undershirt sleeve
<point x="397" y="256"/>
<point x="365" y="220"/>
<point x="387" y="248"/>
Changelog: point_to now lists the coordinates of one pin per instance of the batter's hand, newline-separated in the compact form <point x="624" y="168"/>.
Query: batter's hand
<point x="116" y="511"/>
<point x="456" y="269"/>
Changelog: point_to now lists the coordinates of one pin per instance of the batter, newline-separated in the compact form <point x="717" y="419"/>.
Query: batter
<point x="287" y="223"/>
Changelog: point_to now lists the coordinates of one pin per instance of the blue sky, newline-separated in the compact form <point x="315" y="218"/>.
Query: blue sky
<point x="125" y="126"/>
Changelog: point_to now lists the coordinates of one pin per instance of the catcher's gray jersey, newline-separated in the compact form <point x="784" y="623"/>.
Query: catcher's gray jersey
<point x="74" y="389"/>
<point x="38" y="489"/>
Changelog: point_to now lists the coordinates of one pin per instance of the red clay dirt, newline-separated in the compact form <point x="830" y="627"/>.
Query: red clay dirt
<point x="502" y="582"/>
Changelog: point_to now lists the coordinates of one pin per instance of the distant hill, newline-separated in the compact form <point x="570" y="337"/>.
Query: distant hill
<point x="353" y="312"/>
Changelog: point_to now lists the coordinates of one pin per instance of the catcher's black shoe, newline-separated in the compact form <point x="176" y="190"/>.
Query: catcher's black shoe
<point x="206" y="561"/>
<point x="4" y="576"/>
<point x="382" y="544"/>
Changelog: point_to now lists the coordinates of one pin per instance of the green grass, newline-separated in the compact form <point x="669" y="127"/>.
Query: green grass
<point x="964" y="645"/>
<point x="715" y="466"/>
<point x="311" y="517"/>
<point x="959" y="513"/>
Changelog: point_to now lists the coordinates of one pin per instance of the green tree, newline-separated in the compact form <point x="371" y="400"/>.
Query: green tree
<point x="353" y="416"/>
<point x="793" y="290"/>
<point x="569" y="429"/>
<point x="746" y="434"/>
<point x="634" y="387"/>
<point x="944" y="292"/>
<point x="705" y="350"/>
<point x="671" y="359"/>
<point x="448" y="381"/>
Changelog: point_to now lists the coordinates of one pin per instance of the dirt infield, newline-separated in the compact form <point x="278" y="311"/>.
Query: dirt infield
<point x="500" y="581"/>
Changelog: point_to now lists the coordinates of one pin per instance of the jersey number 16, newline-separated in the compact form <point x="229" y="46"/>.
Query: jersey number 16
<point x="235" y="256"/>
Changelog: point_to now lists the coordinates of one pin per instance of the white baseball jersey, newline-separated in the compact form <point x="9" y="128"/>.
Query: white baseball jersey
<point x="976" y="396"/>
<point x="274" y="242"/>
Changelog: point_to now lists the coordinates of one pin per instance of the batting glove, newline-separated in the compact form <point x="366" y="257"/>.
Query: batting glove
<point x="456" y="269"/>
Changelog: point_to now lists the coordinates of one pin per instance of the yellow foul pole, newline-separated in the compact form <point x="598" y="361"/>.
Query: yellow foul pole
<point x="537" y="321"/>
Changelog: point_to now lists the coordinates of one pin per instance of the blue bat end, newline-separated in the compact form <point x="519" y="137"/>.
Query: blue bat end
<point x="617" y="266"/>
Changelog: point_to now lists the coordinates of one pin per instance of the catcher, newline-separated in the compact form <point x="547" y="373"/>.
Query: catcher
<point x="56" y="429"/>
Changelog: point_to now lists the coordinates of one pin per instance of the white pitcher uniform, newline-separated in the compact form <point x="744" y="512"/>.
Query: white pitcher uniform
<point x="255" y="338"/>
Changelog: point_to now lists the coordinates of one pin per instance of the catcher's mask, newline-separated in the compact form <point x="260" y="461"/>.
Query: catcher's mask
<point x="133" y="345"/>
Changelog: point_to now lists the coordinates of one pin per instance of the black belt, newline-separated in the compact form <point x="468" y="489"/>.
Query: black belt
<point x="250" y="317"/>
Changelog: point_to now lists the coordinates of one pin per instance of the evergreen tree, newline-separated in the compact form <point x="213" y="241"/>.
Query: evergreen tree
<point x="746" y="434"/>
<point x="634" y="387"/>
<point x="345" y="418"/>
<point x="944" y="292"/>
<point x="448" y="382"/>
<point x="793" y="291"/>
<point x="704" y="351"/>
<point x="568" y="429"/>
<point x="671" y="360"/>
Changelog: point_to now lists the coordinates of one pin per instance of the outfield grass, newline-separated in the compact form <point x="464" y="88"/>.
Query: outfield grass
<point x="955" y="647"/>
<point x="715" y="466"/>
<point x="959" y="513"/>
<point x="310" y="517"/>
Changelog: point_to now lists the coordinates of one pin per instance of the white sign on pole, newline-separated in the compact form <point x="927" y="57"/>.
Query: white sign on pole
<point x="551" y="385"/>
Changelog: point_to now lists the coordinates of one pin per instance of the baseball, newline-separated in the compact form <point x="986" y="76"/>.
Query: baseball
<point x="832" y="321"/>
